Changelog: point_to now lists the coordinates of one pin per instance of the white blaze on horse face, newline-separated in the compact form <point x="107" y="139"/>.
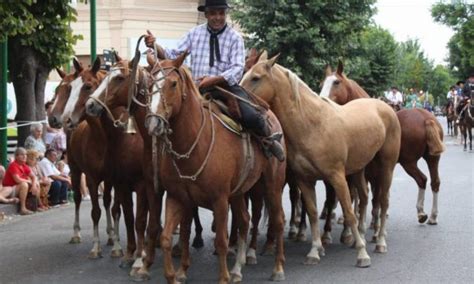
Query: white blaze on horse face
<point x="327" y="86"/>
<point x="156" y="97"/>
<point x="105" y="82"/>
<point x="76" y="86"/>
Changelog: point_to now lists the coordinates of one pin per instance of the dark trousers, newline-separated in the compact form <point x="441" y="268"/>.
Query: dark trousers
<point x="58" y="192"/>
<point x="252" y="119"/>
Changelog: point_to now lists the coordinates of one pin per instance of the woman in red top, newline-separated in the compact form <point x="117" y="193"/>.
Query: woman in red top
<point x="19" y="179"/>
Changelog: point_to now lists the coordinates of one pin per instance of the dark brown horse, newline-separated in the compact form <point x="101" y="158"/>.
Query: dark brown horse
<point x="467" y="123"/>
<point x="451" y="118"/>
<point x="201" y="179"/>
<point x="83" y="158"/>
<point x="422" y="137"/>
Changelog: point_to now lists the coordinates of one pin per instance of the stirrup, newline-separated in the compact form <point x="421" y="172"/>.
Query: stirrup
<point x="272" y="146"/>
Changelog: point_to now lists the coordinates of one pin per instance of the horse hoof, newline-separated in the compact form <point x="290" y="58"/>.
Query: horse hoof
<point x="347" y="240"/>
<point x="301" y="238"/>
<point x="311" y="260"/>
<point x="235" y="278"/>
<point x="432" y="222"/>
<point x="198" y="243"/>
<point x="278" y="276"/>
<point x="380" y="249"/>
<point x="363" y="262"/>
<point x="251" y="260"/>
<point x="176" y="251"/>
<point x="110" y="242"/>
<point x="422" y="218"/>
<point x="292" y="235"/>
<point x="140" y="276"/>
<point x="326" y="240"/>
<point x="116" y="253"/>
<point x="75" y="240"/>
<point x="133" y="272"/>
<point x="181" y="277"/>
<point x="95" y="255"/>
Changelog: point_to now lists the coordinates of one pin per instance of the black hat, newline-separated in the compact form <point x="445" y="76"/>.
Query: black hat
<point x="217" y="4"/>
<point x="459" y="82"/>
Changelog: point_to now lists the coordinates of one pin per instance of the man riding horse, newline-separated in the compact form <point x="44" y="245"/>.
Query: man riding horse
<point x="467" y="94"/>
<point x="225" y="49"/>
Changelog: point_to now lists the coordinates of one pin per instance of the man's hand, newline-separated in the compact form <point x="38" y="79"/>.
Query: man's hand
<point x="149" y="39"/>
<point x="209" y="81"/>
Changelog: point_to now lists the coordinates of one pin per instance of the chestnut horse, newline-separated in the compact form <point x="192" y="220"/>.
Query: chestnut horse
<point x="422" y="137"/>
<point x="83" y="158"/>
<point x="311" y="125"/>
<point x="467" y="123"/>
<point x="209" y="175"/>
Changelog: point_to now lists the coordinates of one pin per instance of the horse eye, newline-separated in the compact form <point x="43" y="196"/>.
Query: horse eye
<point x="255" y="79"/>
<point x="174" y="83"/>
<point x="119" y="78"/>
<point x="337" y="82"/>
<point x="87" y="87"/>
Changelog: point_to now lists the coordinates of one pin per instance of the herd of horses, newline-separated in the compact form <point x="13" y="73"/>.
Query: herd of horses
<point x="183" y="149"/>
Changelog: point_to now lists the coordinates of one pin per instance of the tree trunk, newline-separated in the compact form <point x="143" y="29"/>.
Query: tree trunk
<point x="29" y="73"/>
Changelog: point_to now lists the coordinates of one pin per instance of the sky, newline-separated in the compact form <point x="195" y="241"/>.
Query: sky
<point x="411" y="19"/>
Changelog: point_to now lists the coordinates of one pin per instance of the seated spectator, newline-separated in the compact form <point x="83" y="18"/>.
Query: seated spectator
<point x="35" y="141"/>
<point x="60" y="184"/>
<point x="43" y="182"/>
<point x="5" y="194"/>
<point x="20" y="180"/>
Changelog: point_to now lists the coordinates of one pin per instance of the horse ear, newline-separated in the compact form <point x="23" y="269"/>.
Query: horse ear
<point x="179" y="61"/>
<point x="77" y="65"/>
<point x="117" y="57"/>
<point x="328" y="70"/>
<point x="61" y="73"/>
<point x="252" y="52"/>
<point x="273" y="60"/>
<point x="263" y="56"/>
<point x="96" y="66"/>
<point x="340" y="67"/>
<point x="150" y="58"/>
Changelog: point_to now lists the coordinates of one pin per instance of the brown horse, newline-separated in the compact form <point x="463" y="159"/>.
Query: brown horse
<point x="122" y="161"/>
<point x="78" y="157"/>
<point x="209" y="175"/>
<point x="312" y="125"/>
<point x="422" y="137"/>
<point x="467" y="123"/>
<point x="451" y="118"/>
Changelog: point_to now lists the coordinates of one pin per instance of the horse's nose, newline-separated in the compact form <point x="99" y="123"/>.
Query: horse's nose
<point x="90" y="108"/>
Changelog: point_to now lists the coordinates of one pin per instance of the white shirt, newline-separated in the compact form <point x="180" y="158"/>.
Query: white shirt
<point x="394" y="98"/>
<point x="48" y="168"/>
<point x="450" y="95"/>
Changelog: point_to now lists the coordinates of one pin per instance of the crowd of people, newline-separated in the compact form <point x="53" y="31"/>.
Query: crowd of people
<point x="39" y="170"/>
<point x="410" y="99"/>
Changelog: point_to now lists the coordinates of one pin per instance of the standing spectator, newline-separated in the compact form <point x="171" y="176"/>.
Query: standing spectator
<point x="20" y="180"/>
<point x="35" y="140"/>
<point x="50" y="132"/>
<point x="6" y="195"/>
<point x="60" y="184"/>
<point x="43" y="182"/>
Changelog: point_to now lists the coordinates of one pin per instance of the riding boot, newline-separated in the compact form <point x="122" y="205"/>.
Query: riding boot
<point x="271" y="141"/>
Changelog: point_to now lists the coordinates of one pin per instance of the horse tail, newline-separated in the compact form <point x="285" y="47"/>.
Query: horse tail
<point x="433" y="138"/>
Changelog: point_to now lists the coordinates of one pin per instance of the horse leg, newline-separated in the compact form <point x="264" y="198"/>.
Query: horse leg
<point x="309" y="197"/>
<point x="257" y="205"/>
<point x="375" y="223"/>
<point x="385" y="181"/>
<point x="295" y="199"/>
<point x="301" y="235"/>
<point x="184" y="235"/>
<point x="174" y="211"/>
<point x="117" y="248"/>
<point x="96" y="251"/>
<point x="362" y="192"/>
<point x="433" y="162"/>
<point x="273" y="198"/>
<point x="242" y="218"/>
<point x="76" y="185"/>
<point x="107" y="200"/>
<point x="234" y="228"/>
<point x="198" y="242"/>
<point x="125" y="196"/>
<point x="221" y="211"/>
<point x="338" y="181"/>
<point x="412" y="169"/>
<point x="140" y="227"/>
<point x="328" y="207"/>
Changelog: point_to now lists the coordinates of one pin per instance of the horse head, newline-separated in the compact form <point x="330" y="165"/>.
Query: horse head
<point x="336" y="86"/>
<point x="259" y="78"/>
<point x="173" y="82"/>
<point x="81" y="88"/>
<point x="61" y="94"/>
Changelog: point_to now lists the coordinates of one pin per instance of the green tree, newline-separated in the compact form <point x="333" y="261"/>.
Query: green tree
<point x="374" y="62"/>
<point x="39" y="39"/>
<point x="441" y="79"/>
<point x="308" y="34"/>
<point x="460" y="17"/>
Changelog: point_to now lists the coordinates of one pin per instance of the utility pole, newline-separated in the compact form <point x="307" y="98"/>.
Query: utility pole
<point x="93" y="31"/>
<point x="3" y="101"/>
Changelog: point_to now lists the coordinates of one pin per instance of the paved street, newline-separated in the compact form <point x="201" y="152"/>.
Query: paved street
<point x="35" y="249"/>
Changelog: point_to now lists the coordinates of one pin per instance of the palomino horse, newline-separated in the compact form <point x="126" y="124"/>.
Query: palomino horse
<point x="83" y="158"/>
<point x="210" y="173"/>
<point x="422" y="137"/>
<point x="312" y="125"/>
<point x="122" y="161"/>
<point x="467" y="123"/>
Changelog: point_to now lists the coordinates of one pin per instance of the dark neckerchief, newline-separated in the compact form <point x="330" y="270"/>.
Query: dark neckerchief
<point x="214" y="45"/>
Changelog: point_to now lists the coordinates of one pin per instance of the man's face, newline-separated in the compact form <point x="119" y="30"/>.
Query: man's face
<point x="216" y="18"/>
<point x="53" y="156"/>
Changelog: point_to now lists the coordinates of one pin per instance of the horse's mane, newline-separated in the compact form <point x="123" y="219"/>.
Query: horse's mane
<point x="358" y="90"/>
<point x="295" y="82"/>
<point x="189" y="82"/>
